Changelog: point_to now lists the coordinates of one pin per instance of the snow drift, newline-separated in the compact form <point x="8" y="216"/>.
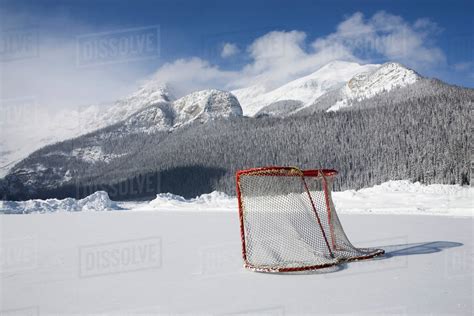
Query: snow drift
<point x="214" y="201"/>
<point x="405" y="197"/>
<point x="98" y="201"/>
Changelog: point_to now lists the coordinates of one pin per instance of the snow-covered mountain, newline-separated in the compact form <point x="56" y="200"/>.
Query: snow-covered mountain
<point x="149" y="94"/>
<point x="201" y="105"/>
<point x="368" y="84"/>
<point x="332" y="87"/>
<point x="196" y="158"/>
<point x="154" y="107"/>
<point x="303" y="91"/>
<point x="26" y="133"/>
<point x="151" y="108"/>
<point x="205" y="105"/>
<point x="99" y="147"/>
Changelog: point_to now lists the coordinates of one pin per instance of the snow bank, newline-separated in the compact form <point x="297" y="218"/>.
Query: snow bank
<point x="207" y="202"/>
<point x="99" y="201"/>
<point x="405" y="197"/>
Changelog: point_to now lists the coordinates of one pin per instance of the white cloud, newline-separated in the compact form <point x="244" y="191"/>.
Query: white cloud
<point x="49" y="73"/>
<point x="274" y="58"/>
<point x="187" y="75"/>
<point x="229" y="49"/>
<point x="280" y="56"/>
<point x="388" y="37"/>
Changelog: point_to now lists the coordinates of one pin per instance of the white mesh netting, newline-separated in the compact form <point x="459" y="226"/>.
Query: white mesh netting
<point x="289" y="223"/>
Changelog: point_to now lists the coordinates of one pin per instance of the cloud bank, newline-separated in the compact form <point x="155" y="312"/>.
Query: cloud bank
<point x="280" y="56"/>
<point x="40" y="60"/>
<point x="54" y="78"/>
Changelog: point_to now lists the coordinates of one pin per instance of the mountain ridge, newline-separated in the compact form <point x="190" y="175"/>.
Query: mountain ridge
<point x="367" y="85"/>
<point x="348" y="81"/>
<point x="305" y="89"/>
<point x="415" y="132"/>
<point x="152" y="108"/>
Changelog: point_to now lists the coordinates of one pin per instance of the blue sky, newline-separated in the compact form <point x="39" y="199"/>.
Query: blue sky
<point x="436" y="39"/>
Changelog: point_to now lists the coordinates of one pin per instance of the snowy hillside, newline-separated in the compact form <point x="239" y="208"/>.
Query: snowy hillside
<point x="368" y="84"/>
<point x="152" y="139"/>
<point x="205" y="105"/>
<point x="152" y="108"/>
<point x="159" y="117"/>
<point x="201" y="105"/>
<point x="200" y="158"/>
<point x="37" y="127"/>
<point x="305" y="90"/>
<point x="99" y="148"/>
<point x="149" y="94"/>
<point x="347" y="80"/>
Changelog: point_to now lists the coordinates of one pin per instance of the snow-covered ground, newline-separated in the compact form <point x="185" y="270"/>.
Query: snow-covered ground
<point x="170" y="263"/>
<point x="168" y="257"/>
<point x="404" y="197"/>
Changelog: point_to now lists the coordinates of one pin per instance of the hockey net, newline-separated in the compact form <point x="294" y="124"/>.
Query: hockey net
<point x="288" y="221"/>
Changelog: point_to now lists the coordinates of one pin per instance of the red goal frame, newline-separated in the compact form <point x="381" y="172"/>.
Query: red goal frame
<point x="292" y="172"/>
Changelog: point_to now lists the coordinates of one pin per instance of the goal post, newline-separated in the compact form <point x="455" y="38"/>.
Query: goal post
<point x="288" y="221"/>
